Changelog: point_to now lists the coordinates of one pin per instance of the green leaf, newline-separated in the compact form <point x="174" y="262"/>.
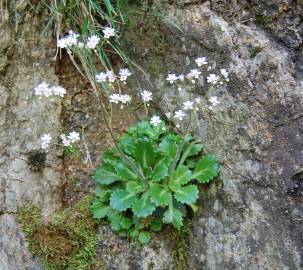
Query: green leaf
<point x="159" y="195"/>
<point x="105" y="175"/>
<point x="126" y="143"/>
<point x="169" y="148"/>
<point x="143" y="207"/>
<point x="133" y="233"/>
<point x="122" y="199"/>
<point x="102" y="193"/>
<point x="187" y="194"/>
<point x="109" y="157"/>
<point x="156" y="225"/>
<point x="99" y="210"/>
<point x="134" y="187"/>
<point x="125" y="172"/>
<point x="126" y="223"/>
<point x="160" y="172"/>
<point x="145" y="152"/>
<point x="180" y="177"/>
<point x="189" y="150"/>
<point x="207" y="169"/>
<point x="144" y="237"/>
<point x="174" y="216"/>
<point x="115" y="218"/>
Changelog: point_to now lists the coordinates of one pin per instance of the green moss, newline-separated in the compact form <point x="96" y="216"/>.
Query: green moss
<point x="68" y="242"/>
<point x="180" y="249"/>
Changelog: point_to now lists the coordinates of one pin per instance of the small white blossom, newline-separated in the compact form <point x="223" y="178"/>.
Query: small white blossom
<point x="92" y="42"/>
<point x="73" y="137"/>
<point x="155" y="120"/>
<point x="125" y="98"/>
<point x="179" y="115"/>
<point x="201" y="61"/>
<point x="224" y="73"/>
<point x="171" y="78"/>
<point x="188" y="105"/>
<point x="61" y="43"/>
<point x="181" y="77"/>
<point x="212" y="78"/>
<point x="101" y="77"/>
<point x="109" y="32"/>
<point x="45" y="141"/>
<point x="43" y="89"/>
<point x="58" y="91"/>
<point x="146" y="96"/>
<point x="114" y="98"/>
<point x="198" y="100"/>
<point x="193" y="74"/>
<point x="214" y="100"/>
<point x="124" y="74"/>
<point x="71" y="39"/>
<point x="168" y="115"/>
<point x="65" y="141"/>
<point x="110" y="76"/>
<point x="80" y="45"/>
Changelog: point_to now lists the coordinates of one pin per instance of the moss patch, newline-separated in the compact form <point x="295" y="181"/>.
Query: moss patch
<point x="180" y="249"/>
<point x="68" y="242"/>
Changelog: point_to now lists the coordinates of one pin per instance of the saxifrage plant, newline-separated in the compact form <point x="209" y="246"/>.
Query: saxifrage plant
<point x="166" y="187"/>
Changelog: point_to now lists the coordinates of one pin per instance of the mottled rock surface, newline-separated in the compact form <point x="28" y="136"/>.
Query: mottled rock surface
<point x="252" y="216"/>
<point x="25" y="178"/>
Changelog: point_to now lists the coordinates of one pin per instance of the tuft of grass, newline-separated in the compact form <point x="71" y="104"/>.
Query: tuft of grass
<point x="68" y="242"/>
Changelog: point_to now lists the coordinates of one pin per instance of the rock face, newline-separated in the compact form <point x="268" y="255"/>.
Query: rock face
<point x="26" y="175"/>
<point x="251" y="217"/>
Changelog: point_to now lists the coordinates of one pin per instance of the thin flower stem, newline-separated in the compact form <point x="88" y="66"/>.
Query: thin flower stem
<point x="180" y="148"/>
<point x="123" y="156"/>
<point x="146" y="110"/>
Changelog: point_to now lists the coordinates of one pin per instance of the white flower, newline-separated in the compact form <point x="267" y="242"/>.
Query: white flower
<point x="71" y="39"/>
<point x="125" y="98"/>
<point x="58" y="91"/>
<point x="179" y="115"/>
<point x="168" y="115"/>
<point x="73" y="137"/>
<point x="214" y="100"/>
<point x="198" y="100"/>
<point x="110" y="76"/>
<point x="61" y="43"/>
<point x="43" y="89"/>
<point x="193" y="74"/>
<point x="212" y="78"/>
<point x="201" y="61"/>
<point x="80" y="45"/>
<point x="65" y="141"/>
<point x="224" y="72"/>
<point x="109" y="32"/>
<point x="181" y="77"/>
<point x="155" y="120"/>
<point x="114" y="98"/>
<point x="101" y="77"/>
<point x="45" y="141"/>
<point x="171" y="78"/>
<point x="188" y="105"/>
<point x="146" y="96"/>
<point x="92" y="42"/>
<point x="124" y="74"/>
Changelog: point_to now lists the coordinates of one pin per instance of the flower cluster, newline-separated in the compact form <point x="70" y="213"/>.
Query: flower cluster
<point x="44" y="89"/>
<point x="70" y="139"/>
<point x="195" y="74"/>
<point x="72" y="39"/>
<point x="110" y="77"/>
<point x="117" y="98"/>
